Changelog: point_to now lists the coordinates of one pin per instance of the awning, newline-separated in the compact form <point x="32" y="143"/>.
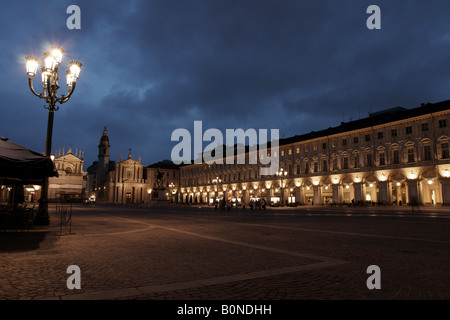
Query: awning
<point x="20" y="164"/>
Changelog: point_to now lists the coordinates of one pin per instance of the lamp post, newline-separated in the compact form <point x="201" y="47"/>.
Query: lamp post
<point x="50" y="77"/>
<point x="282" y="175"/>
<point x="217" y="181"/>
<point x="171" y="187"/>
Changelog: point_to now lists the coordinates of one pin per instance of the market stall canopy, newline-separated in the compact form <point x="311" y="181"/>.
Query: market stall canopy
<point x="20" y="163"/>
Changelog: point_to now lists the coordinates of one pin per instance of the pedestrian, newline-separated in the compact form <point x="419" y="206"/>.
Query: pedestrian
<point x="243" y="203"/>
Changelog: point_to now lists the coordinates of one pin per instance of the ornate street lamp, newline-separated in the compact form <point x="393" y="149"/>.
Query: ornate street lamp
<point x="171" y="187"/>
<point x="217" y="181"/>
<point x="282" y="175"/>
<point x="50" y="78"/>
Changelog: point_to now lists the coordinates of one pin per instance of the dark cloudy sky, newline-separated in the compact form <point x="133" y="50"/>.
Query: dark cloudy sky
<point x="150" y="67"/>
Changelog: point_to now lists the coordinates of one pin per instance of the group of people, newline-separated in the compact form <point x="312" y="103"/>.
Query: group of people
<point x="254" y="204"/>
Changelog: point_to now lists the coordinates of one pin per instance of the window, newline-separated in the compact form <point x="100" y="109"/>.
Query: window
<point x="289" y="151"/>
<point x="445" y="151"/>
<point x="442" y="123"/>
<point x="316" y="166"/>
<point x="356" y="164"/>
<point x="355" y="140"/>
<point x="367" y="137"/>
<point x="382" y="159"/>
<point x="324" y="145"/>
<point x="298" y="168"/>
<point x="424" y="126"/>
<point x="307" y="168"/>
<point x="325" y="165"/>
<point x="408" y="130"/>
<point x="335" y="166"/>
<point x="393" y="132"/>
<point x="298" y="149"/>
<point x="369" y="160"/>
<point x="344" y="142"/>
<point x="380" y="135"/>
<point x="282" y="153"/>
<point x="314" y="147"/>
<point x="396" y="158"/>
<point x="345" y="164"/>
<point x="410" y="155"/>
<point x="427" y="153"/>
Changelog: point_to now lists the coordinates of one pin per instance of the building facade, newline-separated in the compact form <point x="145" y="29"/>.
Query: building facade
<point x="72" y="181"/>
<point x="396" y="156"/>
<point x="163" y="179"/>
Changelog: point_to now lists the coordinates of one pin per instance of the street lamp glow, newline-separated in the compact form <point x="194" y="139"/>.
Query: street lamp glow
<point x="69" y="79"/>
<point x="57" y="54"/>
<point x="32" y="66"/>
<point x="49" y="62"/>
<point x="45" y="76"/>
<point x="75" y="69"/>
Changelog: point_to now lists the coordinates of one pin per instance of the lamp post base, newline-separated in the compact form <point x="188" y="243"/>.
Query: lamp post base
<point x="42" y="218"/>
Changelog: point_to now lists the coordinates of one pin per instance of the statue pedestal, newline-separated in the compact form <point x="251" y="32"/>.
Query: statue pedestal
<point x="160" y="194"/>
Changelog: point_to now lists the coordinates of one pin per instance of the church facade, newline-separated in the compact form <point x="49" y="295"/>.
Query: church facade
<point x="122" y="182"/>
<point x="72" y="181"/>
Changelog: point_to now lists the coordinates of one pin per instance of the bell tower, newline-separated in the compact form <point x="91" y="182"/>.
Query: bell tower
<point x="103" y="158"/>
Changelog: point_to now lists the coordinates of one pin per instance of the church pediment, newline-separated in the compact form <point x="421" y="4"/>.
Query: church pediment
<point x="69" y="157"/>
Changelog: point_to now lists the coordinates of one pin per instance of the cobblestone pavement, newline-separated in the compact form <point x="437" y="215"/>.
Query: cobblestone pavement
<point x="197" y="253"/>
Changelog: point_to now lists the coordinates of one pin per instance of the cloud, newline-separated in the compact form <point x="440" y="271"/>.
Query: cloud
<point x="150" y="67"/>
